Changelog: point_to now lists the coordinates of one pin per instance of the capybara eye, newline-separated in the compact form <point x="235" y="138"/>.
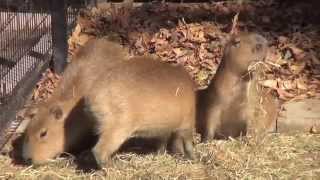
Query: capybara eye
<point x="32" y="116"/>
<point x="236" y="42"/>
<point x="43" y="133"/>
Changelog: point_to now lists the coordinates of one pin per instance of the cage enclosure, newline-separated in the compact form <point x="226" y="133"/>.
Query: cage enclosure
<point x="33" y="33"/>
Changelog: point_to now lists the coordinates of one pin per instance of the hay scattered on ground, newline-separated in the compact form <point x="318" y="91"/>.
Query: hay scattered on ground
<point x="268" y="157"/>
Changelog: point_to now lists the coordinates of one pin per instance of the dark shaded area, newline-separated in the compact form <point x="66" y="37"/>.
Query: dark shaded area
<point x="86" y="162"/>
<point x="16" y="152"/>
<point x="79" y="130"/>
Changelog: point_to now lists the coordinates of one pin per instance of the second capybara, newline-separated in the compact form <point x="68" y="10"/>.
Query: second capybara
<point x="139" y="97"/>
<point x="232" y="101"/>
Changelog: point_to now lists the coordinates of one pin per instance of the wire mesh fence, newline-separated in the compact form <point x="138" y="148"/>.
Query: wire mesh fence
<point x="32" y="33"/>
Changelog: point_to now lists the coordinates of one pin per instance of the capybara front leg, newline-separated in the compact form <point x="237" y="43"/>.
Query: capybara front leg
<point x="177" y="144"/>
<point x="163" y="144"/>
<point x="109" y="142"/>
<point x="213" y="120"/>
<point x="188" y="143"/>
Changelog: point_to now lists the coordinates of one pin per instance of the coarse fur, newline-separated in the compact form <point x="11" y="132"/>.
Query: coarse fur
<point x="63" y="109"/>
<point x="144" y="98"/>
<point x="232" y="101"/>
<point x="121" y="98"/>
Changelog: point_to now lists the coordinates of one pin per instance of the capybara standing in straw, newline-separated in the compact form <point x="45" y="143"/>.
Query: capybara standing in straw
<point x="232" y="100"/>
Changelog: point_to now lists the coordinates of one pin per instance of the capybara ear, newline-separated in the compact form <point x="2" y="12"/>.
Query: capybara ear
<point x="56" y="111"/>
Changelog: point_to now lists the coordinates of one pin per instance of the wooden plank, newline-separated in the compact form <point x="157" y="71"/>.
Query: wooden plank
<point x="300" y="116"/>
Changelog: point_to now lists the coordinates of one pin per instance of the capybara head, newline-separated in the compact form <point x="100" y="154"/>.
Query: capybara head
<point x="245" y="49"/>
<point x="44" y="135"/>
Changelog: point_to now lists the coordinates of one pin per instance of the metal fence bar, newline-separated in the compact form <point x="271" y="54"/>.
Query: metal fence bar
<point x="59" y="35"/>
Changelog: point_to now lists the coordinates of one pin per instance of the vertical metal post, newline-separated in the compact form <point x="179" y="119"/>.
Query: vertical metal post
<point x="59" y="35"/>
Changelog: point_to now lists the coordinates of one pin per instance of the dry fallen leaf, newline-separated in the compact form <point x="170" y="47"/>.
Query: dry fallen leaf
<point x="196" y="33"/>
<point x="298" y="53"/>
<point x="287" y="85"/>
<point x="297" y="67"/>
<point x="301" y="84"/>
<point x="284" y="95"/>
<point x="178" y="52"/>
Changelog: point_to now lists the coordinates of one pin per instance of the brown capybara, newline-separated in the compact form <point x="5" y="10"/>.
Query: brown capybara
<point x="140" y="97"/>
<point x="232" y="101"/>
<point x="144" y="98"/>
<point x="92" y="61"/>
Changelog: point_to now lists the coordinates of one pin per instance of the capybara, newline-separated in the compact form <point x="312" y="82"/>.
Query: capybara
<point x="232" y="100"/>
<point x="92" y="61"/>
<point x="144" y="98"/>
<point x="141" y="97"/>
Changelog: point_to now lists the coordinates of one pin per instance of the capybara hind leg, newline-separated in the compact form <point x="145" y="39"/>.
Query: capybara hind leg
<point x="110" y="140"/>
<point x="188" y="143"/>
<point x="177" y="144"/>
<point x="183" y="143"/>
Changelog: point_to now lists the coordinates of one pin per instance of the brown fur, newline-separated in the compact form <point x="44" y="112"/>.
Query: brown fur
<point x="140" y="97"/>
<point x="230" y="102"/>
<point x="96" y="58"/>
<point x="144" y="98"/>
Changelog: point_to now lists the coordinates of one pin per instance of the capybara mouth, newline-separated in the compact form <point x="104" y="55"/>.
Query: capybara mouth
<point x="35" y="162"/>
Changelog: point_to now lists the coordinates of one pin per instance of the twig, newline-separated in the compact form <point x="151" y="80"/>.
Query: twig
<point x="234" y="23"/>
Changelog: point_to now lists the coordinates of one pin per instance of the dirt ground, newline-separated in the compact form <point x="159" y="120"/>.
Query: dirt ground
<point x="194" y="35"/>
